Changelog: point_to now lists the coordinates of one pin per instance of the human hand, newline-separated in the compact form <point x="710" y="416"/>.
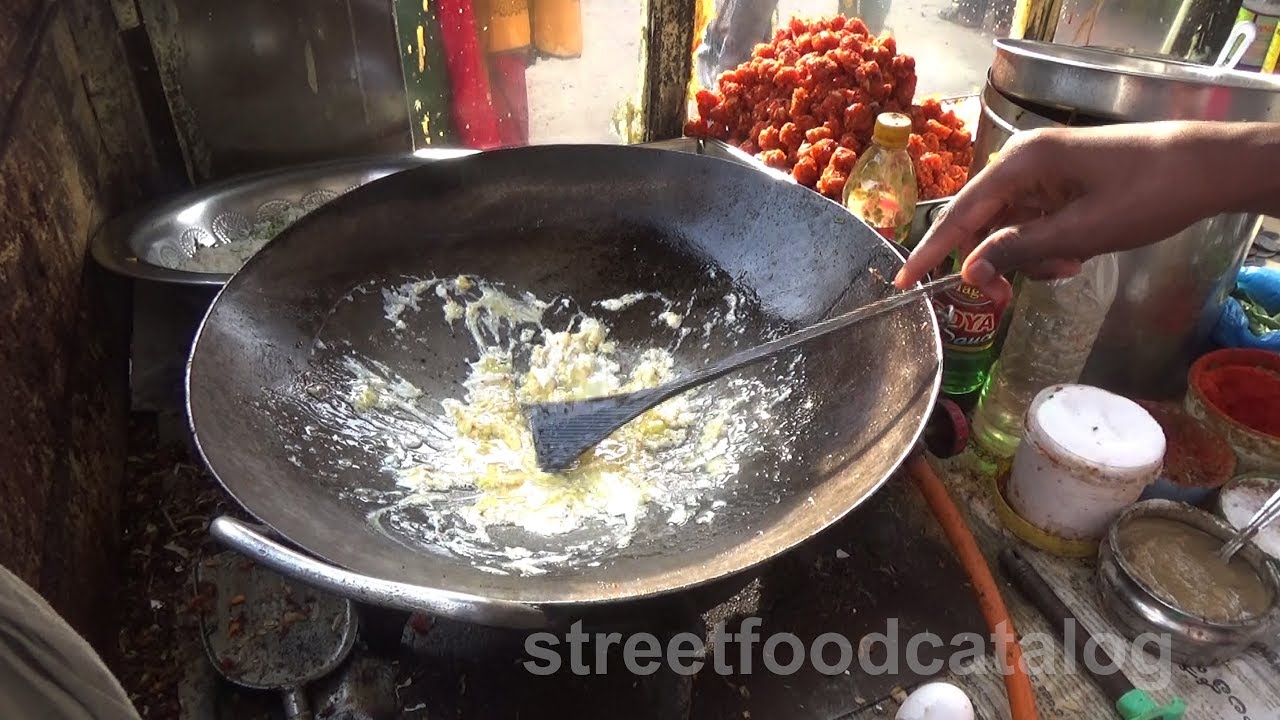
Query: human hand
<point x="1052" y="199"/>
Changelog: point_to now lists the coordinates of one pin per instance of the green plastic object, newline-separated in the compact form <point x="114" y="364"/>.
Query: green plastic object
<point x="1138" y="705"/>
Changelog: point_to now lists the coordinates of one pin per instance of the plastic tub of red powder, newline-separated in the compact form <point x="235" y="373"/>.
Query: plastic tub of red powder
<point x="1197" y="460"/>
<point x="1236" y="392"/>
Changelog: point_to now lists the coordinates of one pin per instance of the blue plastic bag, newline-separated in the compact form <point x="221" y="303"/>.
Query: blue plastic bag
<point x="1232" y="330"/>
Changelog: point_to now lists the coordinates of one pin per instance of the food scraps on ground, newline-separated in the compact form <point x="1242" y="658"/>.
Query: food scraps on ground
<point x="807" y="102"/>
<point x="1247" y="394"/>
<point x="168" y="504"/>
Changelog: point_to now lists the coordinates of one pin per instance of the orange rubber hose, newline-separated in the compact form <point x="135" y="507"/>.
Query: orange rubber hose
<point x="1022" y="700"/>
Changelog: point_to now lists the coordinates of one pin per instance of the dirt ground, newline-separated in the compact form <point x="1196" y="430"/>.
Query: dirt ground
<point x="574" y="100"/>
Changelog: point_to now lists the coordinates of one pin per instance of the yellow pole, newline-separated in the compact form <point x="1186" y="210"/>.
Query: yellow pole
<point x="1179" y="20"/>
<point x="1036" y="20"/>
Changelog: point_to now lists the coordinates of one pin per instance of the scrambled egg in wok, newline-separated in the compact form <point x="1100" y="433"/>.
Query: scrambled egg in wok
<point x="491" y="447"/>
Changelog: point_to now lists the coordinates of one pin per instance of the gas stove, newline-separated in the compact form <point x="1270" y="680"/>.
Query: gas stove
<point x="882" y="576"/>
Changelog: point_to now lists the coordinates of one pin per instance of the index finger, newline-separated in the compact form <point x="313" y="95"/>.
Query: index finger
<point x="964" y="221"/>
<point x="961" y="223"/>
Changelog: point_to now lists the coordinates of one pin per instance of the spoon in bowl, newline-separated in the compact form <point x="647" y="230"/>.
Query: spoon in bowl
<point x="1269" y="511"/>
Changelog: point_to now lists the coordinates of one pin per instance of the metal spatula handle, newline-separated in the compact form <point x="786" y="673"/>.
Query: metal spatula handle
<point x="800" y="337"/>
<point x="562" y="431"/>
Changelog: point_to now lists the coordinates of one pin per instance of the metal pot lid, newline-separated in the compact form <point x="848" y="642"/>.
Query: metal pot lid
<point x="1122" y="86"/>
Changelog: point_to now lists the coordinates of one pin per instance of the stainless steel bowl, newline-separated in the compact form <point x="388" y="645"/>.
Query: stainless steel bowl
<point x="1135" y="610"/>
<point x="155" y="243"/>
<point x="1267" y="483"/>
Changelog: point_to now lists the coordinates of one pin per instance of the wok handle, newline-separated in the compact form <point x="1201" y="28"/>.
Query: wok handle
<point x="296" y="705"/>
<point x="244" y="539"/>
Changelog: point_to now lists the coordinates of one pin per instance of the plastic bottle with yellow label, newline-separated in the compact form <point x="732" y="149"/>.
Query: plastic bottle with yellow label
<point x="882" y="189"/>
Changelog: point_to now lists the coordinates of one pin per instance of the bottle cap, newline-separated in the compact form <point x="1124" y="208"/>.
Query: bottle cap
<point x="892" y="130"/>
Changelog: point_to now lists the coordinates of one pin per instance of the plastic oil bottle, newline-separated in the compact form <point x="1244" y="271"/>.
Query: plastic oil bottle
<point x="881" y="189"/>
<point x="1051" y="332"/>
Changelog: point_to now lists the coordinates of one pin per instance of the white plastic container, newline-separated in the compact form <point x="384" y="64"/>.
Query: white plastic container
<point x="1086" y="455"/>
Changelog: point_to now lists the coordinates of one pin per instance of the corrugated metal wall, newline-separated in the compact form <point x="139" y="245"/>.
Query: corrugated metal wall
<point x="254" y="85"/>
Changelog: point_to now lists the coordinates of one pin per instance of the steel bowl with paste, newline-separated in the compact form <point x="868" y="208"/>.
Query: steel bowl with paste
<point x="1137" y="608"/>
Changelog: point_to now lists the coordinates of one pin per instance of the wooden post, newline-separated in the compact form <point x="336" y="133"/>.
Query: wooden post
<point x="668" y="66"/>
<point x="74" y="151"/>
<point x="1036" y="19"/>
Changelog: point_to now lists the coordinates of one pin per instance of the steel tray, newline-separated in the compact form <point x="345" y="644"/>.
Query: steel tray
<point x="154" y="243"/>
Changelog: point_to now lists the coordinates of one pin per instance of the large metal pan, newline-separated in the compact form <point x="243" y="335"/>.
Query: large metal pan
<point x="587" y="222"/>
<point x="1126" y="87"/>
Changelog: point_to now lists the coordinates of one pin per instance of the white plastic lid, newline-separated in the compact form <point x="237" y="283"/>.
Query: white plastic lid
<point x="1097" y="427"/>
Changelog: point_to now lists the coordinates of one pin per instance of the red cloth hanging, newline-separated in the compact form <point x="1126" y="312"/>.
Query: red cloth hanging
<point x="511" y="95"/>
<point x="474" y="118"/>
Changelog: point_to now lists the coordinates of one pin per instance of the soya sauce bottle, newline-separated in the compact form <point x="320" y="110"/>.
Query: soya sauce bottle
<point x="968" y="339"/>
<point x="971" y="325"/>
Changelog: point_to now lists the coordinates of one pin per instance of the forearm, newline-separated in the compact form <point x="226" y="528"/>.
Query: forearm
<point x="1238" y="165"/>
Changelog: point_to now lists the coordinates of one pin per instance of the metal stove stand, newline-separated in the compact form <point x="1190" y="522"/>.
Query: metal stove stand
<point x="886" y="564"/>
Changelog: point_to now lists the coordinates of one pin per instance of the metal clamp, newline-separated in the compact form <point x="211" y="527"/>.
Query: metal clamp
<point x="242" y="538"/>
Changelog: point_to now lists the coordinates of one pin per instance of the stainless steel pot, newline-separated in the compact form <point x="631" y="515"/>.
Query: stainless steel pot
<point x="1128" y="87"/>
<point x="1171" y="293"/>
<point x="1001" y="119"/>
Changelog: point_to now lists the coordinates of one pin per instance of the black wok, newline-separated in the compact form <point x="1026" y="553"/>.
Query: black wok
<point x="586" y="222"/>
